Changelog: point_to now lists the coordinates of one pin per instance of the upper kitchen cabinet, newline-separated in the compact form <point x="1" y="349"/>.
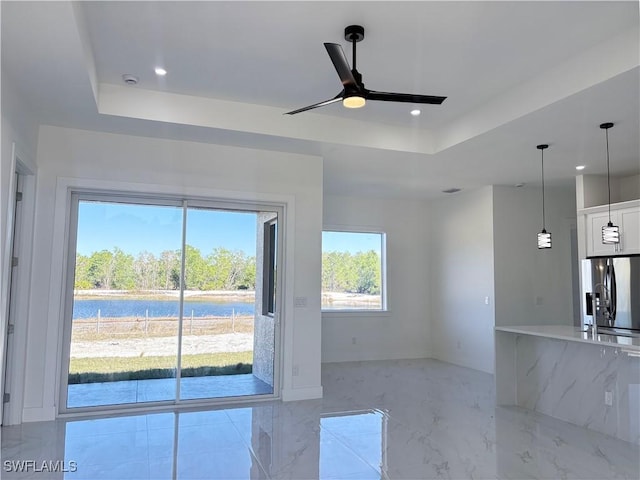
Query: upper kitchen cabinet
<point x="626" y="216"/>
<point x="592" y="206"/>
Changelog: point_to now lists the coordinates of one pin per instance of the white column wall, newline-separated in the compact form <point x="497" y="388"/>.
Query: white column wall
<point x="462" y="279"/>
<point x="76" y="157"/>
<point x="533" y="287"/>
<point x="402" y="331"/>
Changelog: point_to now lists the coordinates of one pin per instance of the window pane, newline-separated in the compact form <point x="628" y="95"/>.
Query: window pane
<point x="219" y="306"/>
<point x="352" y="271"/>
<point x="125" y="304"/>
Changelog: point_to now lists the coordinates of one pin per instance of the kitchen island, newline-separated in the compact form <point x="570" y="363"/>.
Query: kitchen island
<point x="572" y="375"/>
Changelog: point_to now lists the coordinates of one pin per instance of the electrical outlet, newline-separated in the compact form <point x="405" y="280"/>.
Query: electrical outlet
<point x="296" y="371"/>
<point x="353" y="340"/>
<point x="486" y="300"/>
<point x="608" y="398"/>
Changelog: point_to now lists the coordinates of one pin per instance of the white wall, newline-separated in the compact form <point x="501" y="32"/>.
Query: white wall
<point x="462" y="276"/>
<point x="18" y="132"/>
<point x="629" y="187"/>
<point x="592" y="190"/>
<point x="533" y="287"/>
<point x="402" y="332"/>
<point x="75" y="157"/>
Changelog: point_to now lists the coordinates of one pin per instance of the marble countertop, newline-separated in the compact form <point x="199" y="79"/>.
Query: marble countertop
<point x="575" y="334"/>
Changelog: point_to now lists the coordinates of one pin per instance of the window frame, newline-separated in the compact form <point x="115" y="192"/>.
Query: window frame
<point x="73" y="196"/>
<point x="384" y="307"/>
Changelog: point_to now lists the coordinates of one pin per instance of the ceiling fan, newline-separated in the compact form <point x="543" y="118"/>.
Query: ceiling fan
<point x="354" y="94"/>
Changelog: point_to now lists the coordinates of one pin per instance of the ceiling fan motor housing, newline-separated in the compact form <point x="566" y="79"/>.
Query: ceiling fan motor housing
<point x="354" y="33"/>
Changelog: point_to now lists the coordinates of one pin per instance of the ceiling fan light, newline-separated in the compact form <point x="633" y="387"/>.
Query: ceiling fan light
<point x="610" y="234"/>
<point x="353" y="101"/>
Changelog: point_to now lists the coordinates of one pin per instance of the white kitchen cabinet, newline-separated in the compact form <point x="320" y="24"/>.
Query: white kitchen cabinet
<point x="627" y="218"/>
<point x="629" y="230"/>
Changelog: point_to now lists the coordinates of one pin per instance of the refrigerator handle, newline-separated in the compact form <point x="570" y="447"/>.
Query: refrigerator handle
<point x="610" y="280"/>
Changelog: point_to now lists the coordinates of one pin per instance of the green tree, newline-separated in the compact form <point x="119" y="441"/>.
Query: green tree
<point x="367" y="266"/>
<point x="195" y="269"/>
<point x="248" y="275"/>
<point x="346" y="272"/>
<point x="146" y="271"/>
<point x="82" y="281"/>
<point x="169" y="270"/>
<point x="100" y="269"/>
<point x="124" y="277"/>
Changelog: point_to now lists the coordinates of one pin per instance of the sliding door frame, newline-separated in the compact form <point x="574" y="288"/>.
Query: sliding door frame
<point x="75" y="196"/>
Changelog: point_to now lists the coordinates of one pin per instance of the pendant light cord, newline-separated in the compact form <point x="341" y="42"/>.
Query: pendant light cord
<point x="543" y="222"/>
<point x="606" y="132"/>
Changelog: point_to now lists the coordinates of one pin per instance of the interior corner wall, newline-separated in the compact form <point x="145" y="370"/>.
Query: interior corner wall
<point x="20" y="129"/>
<point x="85" y="157"/>
<point x="403" y="331"/>
<point x="534" y="287"/>
<point x="462" y="279"/>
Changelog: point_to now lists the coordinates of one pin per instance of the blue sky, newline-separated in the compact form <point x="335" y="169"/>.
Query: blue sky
<point x="136" y="228"/>
<point x="350" y="242"/>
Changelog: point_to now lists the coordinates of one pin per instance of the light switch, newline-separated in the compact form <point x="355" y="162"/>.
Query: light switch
<point x="300" y="302"/>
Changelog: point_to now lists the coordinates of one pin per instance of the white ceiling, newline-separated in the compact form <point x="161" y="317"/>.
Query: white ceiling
<point x="516" y="74"/>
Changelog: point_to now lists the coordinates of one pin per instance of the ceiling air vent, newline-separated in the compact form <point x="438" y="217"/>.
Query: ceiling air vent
<point x="130" y="79"/>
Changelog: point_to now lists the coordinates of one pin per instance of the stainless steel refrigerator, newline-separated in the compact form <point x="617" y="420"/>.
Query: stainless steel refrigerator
<point x="611" y="291"/>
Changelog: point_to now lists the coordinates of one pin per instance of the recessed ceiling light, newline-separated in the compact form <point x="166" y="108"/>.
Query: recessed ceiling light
<point x="415" y="112"/>
<point x="161" y="72"/>
<point x="580" y="167"/>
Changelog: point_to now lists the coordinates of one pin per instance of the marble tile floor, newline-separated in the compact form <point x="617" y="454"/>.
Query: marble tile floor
<point x="410" y="419"/>
<point x="136" y="391"/>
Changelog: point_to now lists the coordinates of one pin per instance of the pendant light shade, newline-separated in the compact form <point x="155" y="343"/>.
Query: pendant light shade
<point x="610" y="232"/>
<point x="544" y="237"/>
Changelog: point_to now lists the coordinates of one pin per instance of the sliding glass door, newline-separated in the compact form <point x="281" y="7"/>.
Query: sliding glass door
<point x="162" y="305"/>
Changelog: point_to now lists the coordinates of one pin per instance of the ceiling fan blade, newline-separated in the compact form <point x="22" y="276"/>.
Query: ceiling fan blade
<point x="342" y="66"/>
<point x="404" y="97"/>
<point x="316" y="105"/>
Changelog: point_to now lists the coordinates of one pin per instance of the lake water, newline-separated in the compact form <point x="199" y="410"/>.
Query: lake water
<point x="157" y="308"/>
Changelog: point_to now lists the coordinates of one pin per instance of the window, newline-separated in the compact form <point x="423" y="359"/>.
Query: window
<point x="353" y="267"/>
<point x="154" y="285"/>
<point x="269" y="277"/>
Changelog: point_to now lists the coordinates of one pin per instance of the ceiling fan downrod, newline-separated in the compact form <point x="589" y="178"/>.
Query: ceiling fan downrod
<point x="354" y="34"/>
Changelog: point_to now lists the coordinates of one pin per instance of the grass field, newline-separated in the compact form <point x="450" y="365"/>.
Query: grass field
<point x="111" y="369"/>
<point x="90" y="329"/>
<point x="116" y="368"/>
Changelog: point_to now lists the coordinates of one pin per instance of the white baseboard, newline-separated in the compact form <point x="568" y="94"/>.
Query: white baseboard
<point x="305" y="393"/>
<point x="38" y="414"/>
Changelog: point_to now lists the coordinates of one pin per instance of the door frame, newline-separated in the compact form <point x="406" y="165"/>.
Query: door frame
<point x="18" y="239"/>
<point x="74" y="196"/>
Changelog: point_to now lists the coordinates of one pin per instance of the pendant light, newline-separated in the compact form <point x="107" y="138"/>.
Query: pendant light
<point x="610" y="232"/>
<point x="544" y="237"/>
